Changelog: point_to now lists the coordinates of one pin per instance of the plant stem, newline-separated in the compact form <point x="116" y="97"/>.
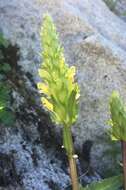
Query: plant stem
<point x="124" y="161"/>
<point x="68" y="144"/>
<point x="73" y="173"/>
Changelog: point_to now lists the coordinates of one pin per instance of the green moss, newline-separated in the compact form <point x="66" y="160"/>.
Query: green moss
<point x="6" y="116"/>
<point x="111" y="4"/>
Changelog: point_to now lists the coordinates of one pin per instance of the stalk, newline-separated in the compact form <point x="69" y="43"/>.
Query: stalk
<point x="60" y="89"/>
<point x="124" y="161"/>
<point x="68" y="144"/>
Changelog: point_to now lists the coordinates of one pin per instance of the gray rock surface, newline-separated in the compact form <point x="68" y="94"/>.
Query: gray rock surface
<point x="118" y="7"/>
<point x="29" y="166"/>
<point x="94" y="40"/>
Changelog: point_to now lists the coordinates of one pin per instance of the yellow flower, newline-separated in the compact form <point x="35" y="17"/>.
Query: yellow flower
<point x="44" y="74"/>
<point x="77" y="91"/>
<point x="71" y="72"/>
<point x="43" y="88"/>
<point x="47" y="104"/>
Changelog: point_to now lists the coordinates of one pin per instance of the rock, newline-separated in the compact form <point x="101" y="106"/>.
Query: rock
<point x="118" y="7"/>
<point x="29" y="166"/>
<point x="7" y="170"/>
<point x="94" y="40"/>
<point x="30" y="151"/>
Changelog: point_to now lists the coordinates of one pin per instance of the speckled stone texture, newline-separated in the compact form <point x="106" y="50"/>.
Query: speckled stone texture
<point x="94" y="40"/>
<point x="118" y="7"/>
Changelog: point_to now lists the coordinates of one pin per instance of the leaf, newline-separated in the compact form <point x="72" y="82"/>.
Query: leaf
<point x="7" y="118"/>
<point x="118" y="117"/>
<point x="2" y="77"/>
<point x="59" y="111"/>
<point x="3" y="41"/>
<point x="6" y="67"/>
<point x="72" y="106"/>
<point x="112" y="183"/>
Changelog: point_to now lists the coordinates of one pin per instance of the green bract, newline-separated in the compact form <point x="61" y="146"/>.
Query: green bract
<point x="112" y="183"/>
<point x="118" y="117"/>
<point x="60" y="90"/>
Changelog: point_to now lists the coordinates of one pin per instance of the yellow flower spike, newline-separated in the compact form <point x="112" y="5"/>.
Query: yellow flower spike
<point x="43" y="88"/>
<point x="61" y="92"/>
<point x="47" y="104"/>
<point x="58" y="78"/>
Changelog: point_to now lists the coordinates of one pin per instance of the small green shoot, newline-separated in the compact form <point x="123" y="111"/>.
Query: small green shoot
<point x="112" y="183"/>
<point x="118" y="125"/>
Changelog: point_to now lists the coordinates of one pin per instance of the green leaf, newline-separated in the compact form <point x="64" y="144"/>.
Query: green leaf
<point x="6" y="67"/>
<point x="59" y="111"/>
<point x="72" y="106"/>
<point x="118" y="117"/>
<point x="2" y="76"/>
<point x="112" y="183"/>
<point x="7" y="118"/>
<point x="3" y="41"/>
